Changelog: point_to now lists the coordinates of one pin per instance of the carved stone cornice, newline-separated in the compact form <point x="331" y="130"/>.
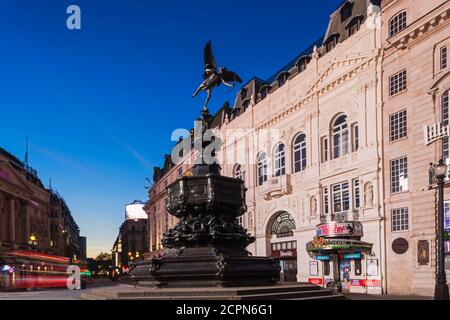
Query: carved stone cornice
<point x="431" y="20"/>
<point x="320" y="88"/>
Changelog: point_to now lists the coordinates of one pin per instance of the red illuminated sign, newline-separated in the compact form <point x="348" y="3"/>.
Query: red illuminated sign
<point x="316" y="281"/>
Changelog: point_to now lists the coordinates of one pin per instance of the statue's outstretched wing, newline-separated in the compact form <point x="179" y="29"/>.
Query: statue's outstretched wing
<point x="230" y="76"/>
<point x="210" y="62"/>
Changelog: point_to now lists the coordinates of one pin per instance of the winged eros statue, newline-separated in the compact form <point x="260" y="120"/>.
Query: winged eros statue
<point x="213" y="77"/>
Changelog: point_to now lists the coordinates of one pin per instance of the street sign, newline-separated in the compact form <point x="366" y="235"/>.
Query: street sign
<point x="434" y="132"/>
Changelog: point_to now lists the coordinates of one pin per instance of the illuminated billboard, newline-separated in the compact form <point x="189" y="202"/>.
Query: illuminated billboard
<point x="135" y="210"/>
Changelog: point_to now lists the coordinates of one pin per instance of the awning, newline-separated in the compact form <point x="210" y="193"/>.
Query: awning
<point x="329" y="246"/>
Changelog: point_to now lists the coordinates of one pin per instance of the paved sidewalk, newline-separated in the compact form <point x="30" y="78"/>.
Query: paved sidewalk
<point x="362" y="296"/>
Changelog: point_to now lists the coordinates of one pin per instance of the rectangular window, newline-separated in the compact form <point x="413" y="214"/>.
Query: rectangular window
<point x="353" y="29"/>
<point x="397" y="83"/>
<point x="443" y="58"/>
<point x="397" y="125"/>
<point x="399" y="175"/>
<point x="324" y="148"/>
<point x="341" y="197"/>
<point x="326" y="208"/>
<point x="400" y="219"/>
<point x="356" y="194"/>
<point x="355" y="137"/>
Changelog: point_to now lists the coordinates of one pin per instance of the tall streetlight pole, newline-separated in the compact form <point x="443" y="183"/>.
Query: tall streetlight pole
<point x="441" y="288"/>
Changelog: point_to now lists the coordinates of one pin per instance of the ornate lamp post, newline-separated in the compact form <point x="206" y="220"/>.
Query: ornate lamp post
<point x="441" y="288"/>
<point x="33" y="242"/>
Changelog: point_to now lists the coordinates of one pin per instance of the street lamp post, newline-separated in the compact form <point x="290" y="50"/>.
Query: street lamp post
<point x="441" y="288"/>
<point x="33" y="242"/>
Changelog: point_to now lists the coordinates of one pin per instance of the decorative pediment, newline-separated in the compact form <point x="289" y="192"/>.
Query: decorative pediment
<point x="338" y="70"/>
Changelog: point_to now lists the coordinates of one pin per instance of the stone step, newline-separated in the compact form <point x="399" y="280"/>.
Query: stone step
<point x="296" y="292"/>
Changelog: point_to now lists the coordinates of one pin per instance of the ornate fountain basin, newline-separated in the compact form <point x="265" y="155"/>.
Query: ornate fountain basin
<point x="206" y="195"/>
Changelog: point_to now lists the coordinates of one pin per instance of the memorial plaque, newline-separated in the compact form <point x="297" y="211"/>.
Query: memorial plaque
<point x="423" y="252"/>
<point x="400" y="245"/>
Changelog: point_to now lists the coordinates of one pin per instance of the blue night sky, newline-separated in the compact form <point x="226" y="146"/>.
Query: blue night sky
<point x="99" y="104"/>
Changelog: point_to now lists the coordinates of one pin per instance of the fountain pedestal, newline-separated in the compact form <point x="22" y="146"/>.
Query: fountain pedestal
<point x="207" y="246"/>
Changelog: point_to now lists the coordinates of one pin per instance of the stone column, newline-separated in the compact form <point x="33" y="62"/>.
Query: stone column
<point x="12" y="220"/>
<point x="27" y="223"/>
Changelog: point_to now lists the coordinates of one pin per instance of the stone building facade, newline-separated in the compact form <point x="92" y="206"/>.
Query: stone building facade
<point x="322" y="116"/>
<point x="132" y="242"/>
<point x="31" y="216"/>
<point x="416" y="81"/>
<point x="335" y="136"/>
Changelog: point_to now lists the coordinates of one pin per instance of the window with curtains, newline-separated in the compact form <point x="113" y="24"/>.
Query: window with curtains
<point x="262" y="168"/>
<point x="340" y="137"/>
<point x="445" y="121"/>
<point x="399" y="175"/>
<point x="279" y="160"/>
<point x="299" y="151"/>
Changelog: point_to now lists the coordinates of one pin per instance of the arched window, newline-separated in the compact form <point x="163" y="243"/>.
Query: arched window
<point x="397" y="23"/>
<point x="245" y="104"/>
<point x="283" y="225"/>
<point x="302" y="62"/>
<point x="346" y="11"/>
<point x="262" y="168"/>
<point x="299" y="153"/>
<point x="340" y="137"/>
<point x="445" y="121"/>
<point x="331" y="41"/>
<point x="282" y="77"/>
<point x="279" y="160"/>
<point x="264" y="91"/>
<point x="238" y="173"/>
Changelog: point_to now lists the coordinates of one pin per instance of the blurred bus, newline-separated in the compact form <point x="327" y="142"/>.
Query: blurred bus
<point x="29" y="269"/>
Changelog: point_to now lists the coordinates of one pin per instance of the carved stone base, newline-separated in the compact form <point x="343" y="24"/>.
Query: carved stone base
<point x="208" y="267"/>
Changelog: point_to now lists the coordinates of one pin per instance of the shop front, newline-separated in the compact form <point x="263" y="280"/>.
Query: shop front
<point x="340" y="260"/>
<point x="285" y="253"/>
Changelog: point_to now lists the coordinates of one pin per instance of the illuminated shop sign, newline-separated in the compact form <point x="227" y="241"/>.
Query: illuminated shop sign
<point x="356" y="255"/>
<point x="316" y="281"/>
<point x="323" y="258"/>
<point x="340" y="229"/>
